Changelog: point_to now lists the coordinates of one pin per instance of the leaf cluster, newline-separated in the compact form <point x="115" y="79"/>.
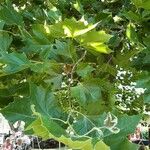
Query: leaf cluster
<point x="68" y="69"/>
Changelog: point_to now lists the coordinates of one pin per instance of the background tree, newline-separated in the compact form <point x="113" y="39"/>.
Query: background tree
<point x="72" y="69"/>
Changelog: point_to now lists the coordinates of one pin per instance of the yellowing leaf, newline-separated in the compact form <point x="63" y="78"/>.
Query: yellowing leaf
<point x="73" y="28"/>
<point x="40" y="128"/>
<point x="80" y="32"/>
<point x="69" y="28"/>
<point x="101" y="145"/>
<point x="94" y="40"/>
<point x="95" y="36"/>
<point x="99" y="47"/>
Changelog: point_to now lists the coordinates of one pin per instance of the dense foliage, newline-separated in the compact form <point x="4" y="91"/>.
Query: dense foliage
<point x="73" y="70"/>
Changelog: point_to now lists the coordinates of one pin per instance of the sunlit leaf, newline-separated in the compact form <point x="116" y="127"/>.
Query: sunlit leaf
<point x="131" y="33"/>
<point x="78" y="6"/>
<point x="73" y="28"/>
<point x="99" y="47"/>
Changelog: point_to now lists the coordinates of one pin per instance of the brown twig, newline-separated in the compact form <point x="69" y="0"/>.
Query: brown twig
<point x="72" y="72"/>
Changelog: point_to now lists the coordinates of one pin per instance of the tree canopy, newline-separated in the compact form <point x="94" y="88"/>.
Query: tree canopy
<point x="77" y="71"/>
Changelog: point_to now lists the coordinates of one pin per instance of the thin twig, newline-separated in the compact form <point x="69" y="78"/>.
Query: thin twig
<point x="9" y="32"/>
<point x="75" y="65"/>
<point x="72" y="72"/>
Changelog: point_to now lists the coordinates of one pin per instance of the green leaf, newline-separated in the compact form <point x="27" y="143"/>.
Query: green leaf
<point x="43" y="127"/>
<point x="1" y="24"/>
<point x="82" y="126"/>
<point x="107" y="68"/>
<point x="131" y="33"/>
<point x="39" y="42"/>
<point x="84" y="70"/>
<point x="63" y="49"/>
<point x="142" y="3"/>
<point x="127" y="125"/>
<point x="54" y="15"/>
<point x="14" y="62"/>
<point x="49" y="67"/>
<point x="105" y="104"/>
<point x="53" y="128"/>
<point x="4" y="101"/>
<point x="85" y="93"/>
<point x="18" y="110"/>
<point x="146" y="41"/>
<point x="130" y="15"/>
<point x="95" y="95"/>
<point x="55" y="30"/>
<point x="147" y="96"/>
<point x="42" y="50"/>
<point x="144" y="82"/>
<point x="43" y="101"/>
<point x="10" y="16"/>
<point x="123" y="59"/>
<point x="55" y="81"/>
<point x="16" y="89"/>
<point x="42" y="42"/>
<point x="5" y="41"/>
<point x="40" y="36"/>
<point x="126" y="144"/>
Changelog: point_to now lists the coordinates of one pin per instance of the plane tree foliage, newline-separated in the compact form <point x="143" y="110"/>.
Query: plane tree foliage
<point x="76" y="70"/>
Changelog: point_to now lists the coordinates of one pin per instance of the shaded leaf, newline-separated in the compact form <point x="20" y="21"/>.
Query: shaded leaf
<point x="82" y="126"/>
<point x="42" y="100"/>
<point x="5" y="41"/>
<point x="18" y="110"/>
<point x="1" y="24"/>
<point x="84" y="70"/>
<point x="85" y="93"/>
<point x="10" y="16"/>
<point x="42" y="128"/>
<point x="54" y="15"/>
<point x="14" y="62"/>
<point x="127" y="125"/>
<point x="142" y="3"/>
<point x="65" y="49"/>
